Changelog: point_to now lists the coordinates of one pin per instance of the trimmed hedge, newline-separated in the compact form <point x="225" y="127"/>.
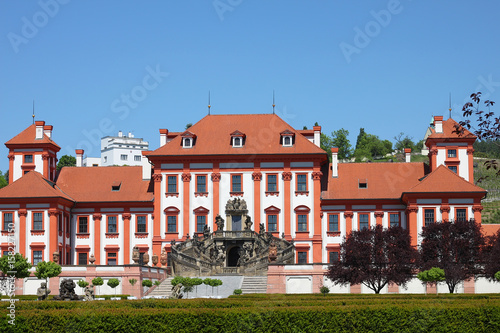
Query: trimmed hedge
<point x="265" y="313"/>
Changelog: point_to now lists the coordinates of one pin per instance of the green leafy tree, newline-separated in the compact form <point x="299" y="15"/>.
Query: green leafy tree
<point x="497" y="276"/>
<point x="340" y="140"/>
<point x="98" y="282"/>
<point x="147" y="283"/>
<point x="432" y="276"/>
<point x="15" y="265"/>
<point x="326" y="143"/>
<point x="324" y="290"/>
<point x="113" y="283"/>
<point x="82" y="283"/>
<point x="188" y="284"/>
<point x="404" y="141"/>
<point x="360" y="138"/>
<point x="157" y="283"/>
<point x="132" y="282"/>
<point x="3" y="180"/>
<point x="188" y="125"/>
<point x="66" y="160"/>
<point x="46" y="270"/>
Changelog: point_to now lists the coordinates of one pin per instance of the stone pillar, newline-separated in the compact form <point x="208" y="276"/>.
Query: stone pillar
<point x="186" y="178"/>
<point x="22" y="230"/>
<point x="348" y="221"/>
<point x="412" y="224"/>
<point x="53" y="246"/>
<point x="378" y="217"/>
<point x="287" y="177"/>
<point x="157" y="178"/>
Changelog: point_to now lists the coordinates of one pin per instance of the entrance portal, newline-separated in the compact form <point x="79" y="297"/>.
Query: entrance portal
<point x="236" y="222"/>
<point x="233" y="256"/>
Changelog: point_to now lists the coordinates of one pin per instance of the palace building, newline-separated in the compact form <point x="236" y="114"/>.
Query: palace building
<point x="225" y="194"/>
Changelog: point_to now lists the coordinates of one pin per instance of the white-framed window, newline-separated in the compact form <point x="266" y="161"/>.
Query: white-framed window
<point x="137" y="158"/>
<point x="187" y="142"/>
<point x="237" y="142"/>
<point x="287" y="141"/>
<point x="123" y="157"/>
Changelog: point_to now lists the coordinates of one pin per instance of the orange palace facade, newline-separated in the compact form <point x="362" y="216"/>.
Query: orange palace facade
<point x="281" y="174"/>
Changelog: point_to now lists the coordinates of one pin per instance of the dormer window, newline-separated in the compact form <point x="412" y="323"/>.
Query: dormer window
<point x="237" y="142"/>
<point x="363" y="183"/>
<point x="115" y="187"/>
<point x="187" y="142"/>
<point x="287" y="137"/>
<point x="188" y="139"/>
<point x="237" y="139"/>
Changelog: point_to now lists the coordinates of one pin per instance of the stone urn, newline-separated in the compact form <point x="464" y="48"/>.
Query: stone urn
<point x="55" y="257"/>
<point x="154" y="259"/>
<point x="163" y="258"/>
<point x="92" y="259"/>
<point x="145" y="258"/>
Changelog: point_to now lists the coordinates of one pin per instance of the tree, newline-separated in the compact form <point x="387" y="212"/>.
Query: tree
<point x="497" y="276"/>
<point x="360" y="137"/>
<point x="485" y="126"/>
<point x="82" y="283"/>
<point x="188" y="125"/>
<point x="326" y="143"/>
<point x="3" y="181"/>
<point x="147" y="283"/>
<point x="98" y="282"/>
<point x="404" y="141"/>
<point x="66" y="160"/>
<point x="375" y="257"/>
<point x="369" y="146"/>
<point x="340" y="140"/>
<point x="491" y="255"/>
<point x="113" y="283"/>
<point x="157" y="283"/>
<point x="431" y="276"/>
<point x="15" y="265"/>
<point x="46" y="270"/>
<point x="454" y="247"/>
<point x="324" y="290"/>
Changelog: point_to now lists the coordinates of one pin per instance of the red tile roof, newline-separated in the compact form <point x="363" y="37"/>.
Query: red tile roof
<point x="449" y="131"/>
<point x="262" y="132"/>
<point x="33" y="185"/>
<point x="384" y="180"/>
<point x="94" y="184"/>
<point x="28" y="137"/>
<point x="444" y="180"/>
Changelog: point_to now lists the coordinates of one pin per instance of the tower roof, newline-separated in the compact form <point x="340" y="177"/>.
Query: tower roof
<point x="33" y="185"/>
<point x="28" y="137"/>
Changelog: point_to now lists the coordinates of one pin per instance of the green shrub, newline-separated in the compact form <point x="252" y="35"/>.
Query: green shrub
<point x="324" y="290"/>
<point x="147" y="283"/>
<point x="237" y="292"/>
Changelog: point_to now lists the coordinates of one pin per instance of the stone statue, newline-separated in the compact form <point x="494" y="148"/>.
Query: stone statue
<point x="135" y="255"/>
<point x="248" y="223"/>
<point x="172" y="242"/>
<point x="176" y="291"/>
<point x="262" y="229"/>
<point x="221" y="255"/>
<point x="206" y="231"/>
<point x="187" y="236"/>
<point x="283" y="235"/>
<point x="43" y="291"/>
<point x="67" y="291"/>
<point x="89" y="293"/>
<point x="243" y="204"/>
<point x="273" y="252"/>
<point x="219" y="221"/>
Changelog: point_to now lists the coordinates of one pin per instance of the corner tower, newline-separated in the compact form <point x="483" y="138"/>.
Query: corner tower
<point x="33" y="149"/>
<point x="448" y="147"/>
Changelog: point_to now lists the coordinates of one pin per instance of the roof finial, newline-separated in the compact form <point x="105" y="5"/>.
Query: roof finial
<point x="273" y="102"/>
<point x="33" y="111"/>
<point x="209" y="106"/>
<point x="450" y="105"/>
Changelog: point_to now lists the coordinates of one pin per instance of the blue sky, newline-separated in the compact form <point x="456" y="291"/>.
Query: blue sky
<point x="96" y="67"/>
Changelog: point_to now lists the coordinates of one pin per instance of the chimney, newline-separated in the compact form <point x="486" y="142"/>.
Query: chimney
<point x="39" y="129"/>
<point x="146" y="166"/>
<point x="407" y="155"/>
<point x="130" y="135"/>
<point x="438" y="124"/>
<point x="120" y="134"/>
<point x="163" y="137"/>
<point x="335" y="162"/>
<point x="317" y="135"/>
<point x="47" y="130"/>
<point x="79" y="157"/>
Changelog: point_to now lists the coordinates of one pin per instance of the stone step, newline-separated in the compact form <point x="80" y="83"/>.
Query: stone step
<point x="254" y="284"/>
<point x="164" y="289"/>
